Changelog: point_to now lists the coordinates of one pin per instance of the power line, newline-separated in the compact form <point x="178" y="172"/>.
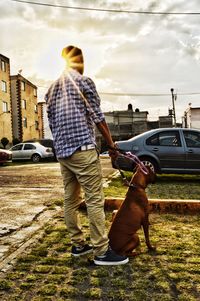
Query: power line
<point x="136" y="94"/>
<point x="107" y="10"/>
<point x="145" y="94"/>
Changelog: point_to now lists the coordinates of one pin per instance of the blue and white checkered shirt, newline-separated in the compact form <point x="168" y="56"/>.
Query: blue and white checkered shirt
<point x="71" y="119"/>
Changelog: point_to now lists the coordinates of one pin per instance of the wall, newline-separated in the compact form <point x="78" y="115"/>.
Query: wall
<point x="30" y="112"/>
<point x="192" y="118"/>
<point x="5" y="117"/>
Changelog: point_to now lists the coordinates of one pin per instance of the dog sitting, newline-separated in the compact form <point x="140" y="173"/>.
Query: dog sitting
<point x="132" y="214"/>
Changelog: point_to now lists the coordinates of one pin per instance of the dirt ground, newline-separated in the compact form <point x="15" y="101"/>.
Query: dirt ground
<point x="26" y="192"/>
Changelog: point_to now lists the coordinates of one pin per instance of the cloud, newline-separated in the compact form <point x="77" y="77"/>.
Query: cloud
<point x="123" y="52"/>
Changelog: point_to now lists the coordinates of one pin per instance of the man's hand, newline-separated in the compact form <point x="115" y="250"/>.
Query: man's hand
<point x="113" y="152"/>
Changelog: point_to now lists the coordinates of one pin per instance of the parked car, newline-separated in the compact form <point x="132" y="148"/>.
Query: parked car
<point x="104" y="155"/>
<point x="5" y="156"/>
<point x="166" y="150"/>
<point x="31" y="151"/>
<point x="45" y="142"/>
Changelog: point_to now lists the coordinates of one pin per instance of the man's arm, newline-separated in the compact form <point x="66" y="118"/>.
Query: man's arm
<point x="104" y="130"/>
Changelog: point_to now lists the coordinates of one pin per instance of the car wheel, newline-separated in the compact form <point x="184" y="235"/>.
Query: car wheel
<point x="36" y="158"/>
<point x="150" y="163"/>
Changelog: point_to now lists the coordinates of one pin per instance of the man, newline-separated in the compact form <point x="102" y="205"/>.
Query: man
<point x="73" y="107"/>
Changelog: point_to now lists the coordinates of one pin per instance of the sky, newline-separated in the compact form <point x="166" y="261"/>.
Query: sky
<point x="140" y="56"/>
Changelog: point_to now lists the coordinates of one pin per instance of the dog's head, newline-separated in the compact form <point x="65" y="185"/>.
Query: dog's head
<point x="151" y="176"/>
<point x="143" y="179"/>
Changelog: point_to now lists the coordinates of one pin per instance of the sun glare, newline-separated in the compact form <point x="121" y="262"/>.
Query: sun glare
<point x="51" y="64"/>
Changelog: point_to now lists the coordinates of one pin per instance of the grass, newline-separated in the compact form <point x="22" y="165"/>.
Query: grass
<point x="166" y="187"/>
<point x="47" y="272"/>
<point x="172" y="272"/>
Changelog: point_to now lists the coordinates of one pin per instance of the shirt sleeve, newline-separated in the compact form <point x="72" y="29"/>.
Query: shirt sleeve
<point x="92" y="98"/>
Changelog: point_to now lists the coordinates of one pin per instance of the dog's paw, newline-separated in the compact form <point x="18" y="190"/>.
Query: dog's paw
<point x="133" y="254"/>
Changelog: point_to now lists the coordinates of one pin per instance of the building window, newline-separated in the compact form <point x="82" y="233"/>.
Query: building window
<point x="35" y="108"/>
<point x="36" y="125"/>
<point x="5" y="107"/>
<point x="35" y="92"/>
<point x="25" y="122"/>
<point x="23" y="86"/>
<point x="3" y="66"/>
<point x="3" y="86"/>
<point x="24" y="104"/>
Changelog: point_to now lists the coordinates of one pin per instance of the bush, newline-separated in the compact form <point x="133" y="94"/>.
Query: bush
<point x="4" y="141"/>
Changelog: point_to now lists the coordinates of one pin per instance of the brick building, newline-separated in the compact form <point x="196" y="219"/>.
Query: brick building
<point x="24" y="109"/>
<point x="5" y="99"/>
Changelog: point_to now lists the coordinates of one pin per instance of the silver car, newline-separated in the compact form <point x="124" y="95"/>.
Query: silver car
<point x="31" y="151"/>
<point x="166" y="150"/>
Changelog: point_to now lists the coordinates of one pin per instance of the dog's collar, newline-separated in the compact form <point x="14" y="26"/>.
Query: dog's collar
<point x="135" y="186"/>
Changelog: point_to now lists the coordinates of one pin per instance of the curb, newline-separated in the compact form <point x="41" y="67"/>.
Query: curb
<point x="161" y="205"/>
<point x="158" y="205"/>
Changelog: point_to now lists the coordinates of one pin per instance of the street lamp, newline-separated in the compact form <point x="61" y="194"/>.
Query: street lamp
<point x="174" y="96"/>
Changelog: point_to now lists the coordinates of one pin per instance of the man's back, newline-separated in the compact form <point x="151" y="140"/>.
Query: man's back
<point x="71" y="119"/>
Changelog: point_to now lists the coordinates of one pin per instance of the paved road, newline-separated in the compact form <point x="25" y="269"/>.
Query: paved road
<point x="26" y="192"/>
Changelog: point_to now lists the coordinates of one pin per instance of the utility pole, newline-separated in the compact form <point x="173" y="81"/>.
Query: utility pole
<point x="174" y="96"/>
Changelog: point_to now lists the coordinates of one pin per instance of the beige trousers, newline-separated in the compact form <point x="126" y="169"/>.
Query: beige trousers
<point x="83" y="169"/>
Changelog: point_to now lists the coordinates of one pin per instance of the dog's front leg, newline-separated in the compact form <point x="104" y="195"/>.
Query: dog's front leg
<point x="146" y="233"/>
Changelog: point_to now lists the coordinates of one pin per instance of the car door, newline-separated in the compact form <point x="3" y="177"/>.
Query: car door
<point x="16" y="151"/>
<point x="168" y="148"/>
<point x="28" y="150"/>
<point x="192" y="145"/>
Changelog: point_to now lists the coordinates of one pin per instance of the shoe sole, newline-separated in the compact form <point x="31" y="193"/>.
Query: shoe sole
<point x="99" y="262"/>
<point x="83" y="253"/>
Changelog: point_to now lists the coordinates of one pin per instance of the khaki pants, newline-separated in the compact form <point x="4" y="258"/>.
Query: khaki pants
<point x="83" y="169"/>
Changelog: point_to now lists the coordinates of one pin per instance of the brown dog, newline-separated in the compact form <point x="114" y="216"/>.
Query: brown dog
<point x="132" y="214"/>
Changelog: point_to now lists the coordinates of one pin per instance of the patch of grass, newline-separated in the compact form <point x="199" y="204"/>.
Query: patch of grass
<point x="5" y="285"/>
<point x="40" y="250"/>
<point x="42" y="269"/>
<point x="48" y="290"/>
<point x="93" y="293"/>
<point x="69" y="292"/>
<point x="171" y="273"/>
<point x="26" y="285"/>
<point x="166" y="187"/>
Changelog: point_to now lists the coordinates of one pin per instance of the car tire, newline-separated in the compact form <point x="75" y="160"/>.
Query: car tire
<point x="150" y="163"/>
<point x="35" y="158"/>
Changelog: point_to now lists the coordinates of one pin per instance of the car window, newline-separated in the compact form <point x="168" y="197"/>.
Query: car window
<point x="192" y="138"/>
<point x="17" y="147"/>
<point x="153" y="140"/>
<point x="170" y="138"/>
<point x="29" y="146"/>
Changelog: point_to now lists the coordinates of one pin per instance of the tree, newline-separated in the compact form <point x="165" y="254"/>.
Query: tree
<point x="4" y="141"/>
<point x="16" y="141"/>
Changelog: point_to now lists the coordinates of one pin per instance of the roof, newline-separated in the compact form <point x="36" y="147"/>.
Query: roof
<point x="20" y="77"/>
<point x="4" y="58"/>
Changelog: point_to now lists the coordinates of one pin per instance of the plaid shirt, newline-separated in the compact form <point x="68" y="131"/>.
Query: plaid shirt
<point x="71" y="119"/>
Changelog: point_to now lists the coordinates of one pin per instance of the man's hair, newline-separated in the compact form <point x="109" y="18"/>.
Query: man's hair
<point x="74" y="58"/>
